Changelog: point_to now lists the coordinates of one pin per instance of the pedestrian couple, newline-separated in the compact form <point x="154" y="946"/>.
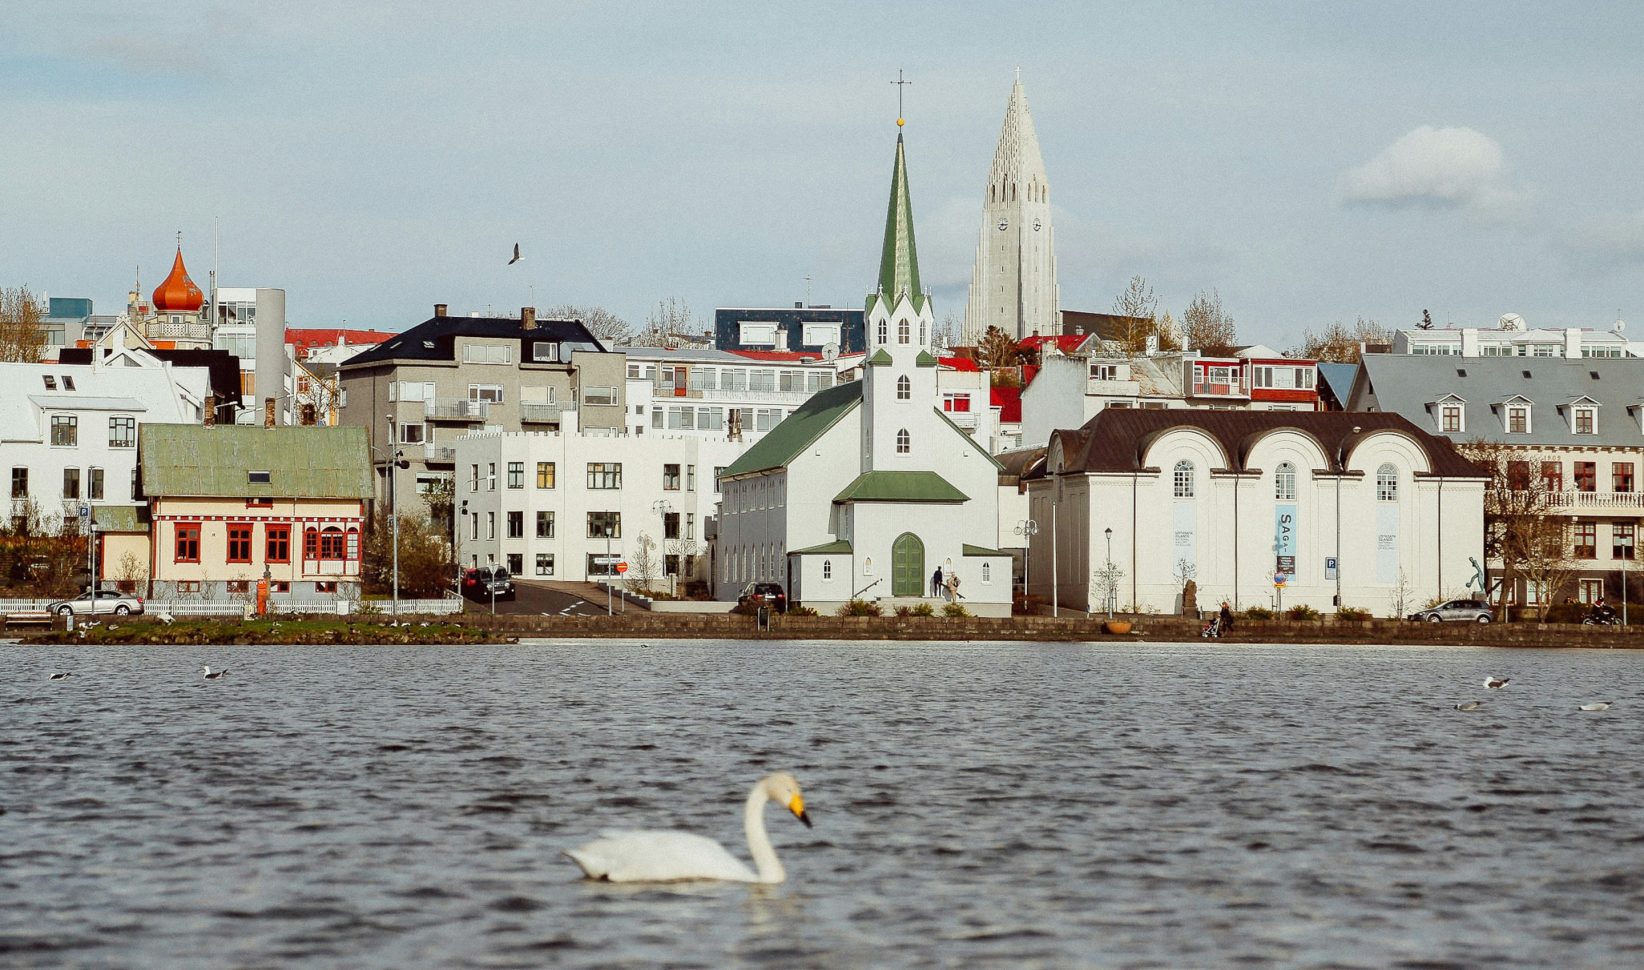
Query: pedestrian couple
<point x="944" y="587"/>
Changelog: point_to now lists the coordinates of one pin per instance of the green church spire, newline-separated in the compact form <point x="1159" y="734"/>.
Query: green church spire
<point x="899" y="265"/>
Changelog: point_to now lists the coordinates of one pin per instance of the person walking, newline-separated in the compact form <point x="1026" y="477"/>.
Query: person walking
<point x="936" y="583"/>
<point x="953" y="587"/>
<point x="1226" y="617"/>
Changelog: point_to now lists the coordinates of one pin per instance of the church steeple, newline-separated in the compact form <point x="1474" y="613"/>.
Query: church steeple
<point x="899" y="262"/>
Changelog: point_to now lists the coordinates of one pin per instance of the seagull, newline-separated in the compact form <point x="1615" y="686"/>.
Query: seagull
<point x="516" y="255"/>
<point x="1469" y="705"/>
<point x="212" y="675"/>
<point x="1497" y="683"/>
<point x="1597" y="706"/>
<point x="61" y="675"/>
<point x="164" y="617"/>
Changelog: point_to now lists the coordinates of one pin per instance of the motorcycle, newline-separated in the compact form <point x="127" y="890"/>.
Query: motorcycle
<point x="1602" y="616"/>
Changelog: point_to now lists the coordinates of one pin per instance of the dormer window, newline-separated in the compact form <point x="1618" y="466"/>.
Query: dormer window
<point x="1586" y="420"/>
<point x="1452" y="414"/>
<point x="1515" y="413"/>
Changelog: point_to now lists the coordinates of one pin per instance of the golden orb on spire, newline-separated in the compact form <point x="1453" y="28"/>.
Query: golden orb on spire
<point x="900" y="122"/>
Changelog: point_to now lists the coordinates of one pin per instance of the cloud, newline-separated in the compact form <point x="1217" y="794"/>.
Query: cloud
<point x="1445" y="168"/>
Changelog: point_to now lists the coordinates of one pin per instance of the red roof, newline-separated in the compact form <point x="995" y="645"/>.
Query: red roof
<point x="785" y="356"/>
<point x="308" y="338"/>
<point x="1066" y="343"/>
<point x="1009" y="402"/>
<point x="959" y="363"/>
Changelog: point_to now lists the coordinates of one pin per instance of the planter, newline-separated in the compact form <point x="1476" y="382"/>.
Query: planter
<point x="1116" y="626"/>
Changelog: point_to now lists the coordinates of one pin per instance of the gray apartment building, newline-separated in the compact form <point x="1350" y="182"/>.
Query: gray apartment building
<point x="450" y="375"/>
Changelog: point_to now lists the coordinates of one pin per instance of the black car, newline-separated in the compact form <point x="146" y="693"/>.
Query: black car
<point x="764" y="594"/>
<point x="486" y="583"/>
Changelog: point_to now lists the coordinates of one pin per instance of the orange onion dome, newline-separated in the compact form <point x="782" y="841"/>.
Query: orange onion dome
<point x="178" y="293"/>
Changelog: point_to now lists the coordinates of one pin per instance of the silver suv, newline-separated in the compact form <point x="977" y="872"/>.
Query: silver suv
<point x="102" y="601"/>
<point x="1467" y="611"/>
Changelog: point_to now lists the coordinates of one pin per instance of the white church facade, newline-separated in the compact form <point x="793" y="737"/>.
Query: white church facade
<point x="1013" y="284"/>
<point x="868" y="489"/>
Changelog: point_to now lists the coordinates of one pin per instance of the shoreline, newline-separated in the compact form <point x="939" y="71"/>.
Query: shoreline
<point x="486" y="629"/>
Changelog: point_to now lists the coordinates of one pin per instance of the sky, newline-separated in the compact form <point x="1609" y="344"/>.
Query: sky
<point x="1309" y="162"/>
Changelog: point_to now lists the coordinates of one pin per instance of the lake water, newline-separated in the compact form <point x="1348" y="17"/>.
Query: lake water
<point x="1160" y="805"/>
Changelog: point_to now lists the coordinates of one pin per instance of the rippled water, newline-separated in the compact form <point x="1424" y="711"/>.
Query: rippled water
<point x="975" y="804"/>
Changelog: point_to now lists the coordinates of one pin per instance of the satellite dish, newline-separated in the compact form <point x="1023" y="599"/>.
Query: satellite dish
<point x="1512" y="321"/>
<point x="1620" y="325"/>
<point x="830" y="351"/>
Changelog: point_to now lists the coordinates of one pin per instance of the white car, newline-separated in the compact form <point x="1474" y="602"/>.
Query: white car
<point x="103" y="601"/>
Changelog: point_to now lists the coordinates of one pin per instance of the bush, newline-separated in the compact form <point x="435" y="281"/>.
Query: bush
<point x="954" y="609"/>
<point x="861" y="608"/>
<point x="802" y="611"/>
<point x="1302" y="612"/>
<point x="1258" y="613"/>
<point x="1352" y="614"/>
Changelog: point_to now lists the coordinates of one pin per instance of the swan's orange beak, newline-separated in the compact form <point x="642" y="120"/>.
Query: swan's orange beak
<point x="796" y="805"/>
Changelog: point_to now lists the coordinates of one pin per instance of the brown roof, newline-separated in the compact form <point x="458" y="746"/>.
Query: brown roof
<point x="1116" y="439"/>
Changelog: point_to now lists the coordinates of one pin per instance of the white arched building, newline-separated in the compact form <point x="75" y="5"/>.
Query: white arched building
<point x="1363" y="503"/>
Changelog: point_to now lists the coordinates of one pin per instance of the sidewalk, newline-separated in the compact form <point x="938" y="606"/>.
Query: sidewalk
<point x="593" y="593"/>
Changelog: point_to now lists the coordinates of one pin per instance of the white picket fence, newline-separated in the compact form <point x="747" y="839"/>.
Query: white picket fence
<point x="12" y="605"/>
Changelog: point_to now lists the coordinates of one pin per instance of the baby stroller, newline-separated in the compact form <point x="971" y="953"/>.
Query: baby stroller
<point x="1213" y="628"/>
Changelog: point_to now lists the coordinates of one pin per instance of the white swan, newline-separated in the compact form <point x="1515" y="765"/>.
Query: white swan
<point x="676" y="856"/>
<point x="1597" y="706"/>
<point x="210" y="674"/>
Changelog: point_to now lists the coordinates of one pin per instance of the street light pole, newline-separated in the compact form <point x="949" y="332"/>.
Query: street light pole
<point x="1109" y="581"/>
<point x="608" y="569"/>
<point x="1027" y="529"/>
<point x="394" y="512"/>
<point x="662" y="507"/>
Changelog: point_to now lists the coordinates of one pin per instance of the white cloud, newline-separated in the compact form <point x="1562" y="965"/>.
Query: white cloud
<point x="1452" y="168"/>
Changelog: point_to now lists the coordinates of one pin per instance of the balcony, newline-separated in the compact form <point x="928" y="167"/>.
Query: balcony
<point x="540" y="413"/>
<point x="1583" y="501"/>
<point x="439" y="454"/>
<point x="964" y="419"/>
<point x="456" y="410"/>
<point x="1237" y="389"/>
<point x="1099" y="387"/>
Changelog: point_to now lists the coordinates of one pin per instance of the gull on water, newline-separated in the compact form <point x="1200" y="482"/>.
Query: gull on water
<point x="61" y="675"/>
<point x="1469" y="705"/>
<point x="1597" y="706"/>
<point x="1497" y="683"/>
<point x="212" y="674"/>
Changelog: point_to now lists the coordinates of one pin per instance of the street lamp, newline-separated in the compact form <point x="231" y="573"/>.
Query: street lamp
<point x="1111" y="592"/>
<point x="397" y="461"/>
<point x="662" y="507"/>
<point x="1027" y="529"/>
<point x="1341" y="471"/>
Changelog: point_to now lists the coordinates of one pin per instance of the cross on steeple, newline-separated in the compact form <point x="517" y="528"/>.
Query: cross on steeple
<point x="900" y="84"/>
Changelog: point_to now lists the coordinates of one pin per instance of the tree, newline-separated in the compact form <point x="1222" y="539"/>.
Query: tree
<point x="1548" y="565"/>
<point x="997" y="350"/>
<point x="670" y="321"/>
<point x="600" y="322"/>
<point x="22" y="338"/>
<point x="1207" y="327"/>
<point x="946" y="332"/>
<point x="643" y="566"/>
<point x="425" y="561"/>
<point x="1517" y="505"/>
<point x="1139" y="309"/>
<point x="1169" y="331"/>
<point x="1339" y="345"/>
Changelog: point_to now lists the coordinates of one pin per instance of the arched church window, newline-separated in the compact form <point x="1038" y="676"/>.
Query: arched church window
<point x="884" y="332"/>
<point x="924" y="338"/>
<point x="1284" y="482"/>
<point x="1387" y="483"/>
<point x="904" y="388"/>
<point x="987" y="572"/>
<point x="827" y="570"/>
<point x="903" y="441"/>
<point x="902" y="331"/>
<point x="1184" y="479"/>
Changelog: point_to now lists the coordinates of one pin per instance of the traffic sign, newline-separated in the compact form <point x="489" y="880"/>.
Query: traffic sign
<point x="1279" y="579"/>
<point x="621" y="567"/>
<point x="1329" y="567"/>
<point x="85" y="511"/>
<point x="607" y="560"/>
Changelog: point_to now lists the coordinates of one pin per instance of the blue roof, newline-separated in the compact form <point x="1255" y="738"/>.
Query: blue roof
<point x="1340" y="378"/>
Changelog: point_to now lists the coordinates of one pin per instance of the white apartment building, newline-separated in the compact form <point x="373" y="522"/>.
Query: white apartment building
<point x="68" y="432"/>
<point x="1513" y="338"/>
<point x="694" y="392"/>
<point x="567" y="505"/>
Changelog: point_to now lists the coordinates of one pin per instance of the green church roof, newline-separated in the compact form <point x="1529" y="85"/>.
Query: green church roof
<point x="217" y="461"/>
<point x="835" y="548"/>
<point x="925" y="359"/>
<point x="880" y="358"/>
<point x="900" y="486"/>
<point x="899" y="264"/>
<point x="969" y="550"/>
<point x="795" y="433"/>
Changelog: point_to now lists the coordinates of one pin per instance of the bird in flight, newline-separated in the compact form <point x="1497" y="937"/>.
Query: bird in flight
<point x="516" y="255"/>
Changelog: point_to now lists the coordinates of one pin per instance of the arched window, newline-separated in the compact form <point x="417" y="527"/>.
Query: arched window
<point x="867" y="566"/>
<point x="884" y="331"/>
<point x="827" y="570"/>
<point x="903" y="441"/>
<point x="1284" y="482"/>
<point x="1387" y="483"/>
<point x="1184" y="479"/>
<point x="987" y="572"/>
<point x="904" y="388"/>
<point x="924" y="338"/>
<point x="902" y="331"/>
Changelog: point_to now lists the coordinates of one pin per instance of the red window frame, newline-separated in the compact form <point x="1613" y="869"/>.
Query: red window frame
<point x="1586" y="476"/>
<point x="353" y="544"/>
<point x="332" y="543"/>
<point x="1621" y="476"/>
<point x="277" y="543"/>
<point x="239" y="542"/>
<point x="186" y="542"/>
<point x="311" y="543"/>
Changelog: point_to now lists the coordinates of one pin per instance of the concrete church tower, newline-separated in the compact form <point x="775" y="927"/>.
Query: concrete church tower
<point x="899" y="381"/>
<point x="1013" y="286"/>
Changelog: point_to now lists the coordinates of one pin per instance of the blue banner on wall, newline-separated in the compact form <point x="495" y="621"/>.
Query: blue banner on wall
<point x="1284" y="540"/>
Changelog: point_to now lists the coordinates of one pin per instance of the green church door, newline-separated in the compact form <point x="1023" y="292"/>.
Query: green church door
<point x="907" y="566"/>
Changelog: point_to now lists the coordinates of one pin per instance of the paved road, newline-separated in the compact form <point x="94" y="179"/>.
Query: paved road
<point x="533" y="599"/>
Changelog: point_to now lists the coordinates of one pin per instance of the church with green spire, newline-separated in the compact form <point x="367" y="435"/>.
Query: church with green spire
<point x="868" y="489"/>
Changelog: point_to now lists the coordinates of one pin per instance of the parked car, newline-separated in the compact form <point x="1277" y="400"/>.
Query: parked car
<point x="484" y="582"/>
<point x="764" y="594"/>
<point x="1467" y="611"/>
<point x="102" y="601"/>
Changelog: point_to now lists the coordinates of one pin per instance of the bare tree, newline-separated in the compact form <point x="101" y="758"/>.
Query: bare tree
<point x="670" y="321"/>
<point x="644" y="568"/>
<point x="1139" y="309"/>
<point x="1548" y="564"/>
<point x="1208" y="327"/>
<point x="946" y="332"/>
<point x="22" y="338"/>
<point x="600" y="322"/>
<point x="1401" y="596"/>
<point x="685" y="553"/>
<point x="1337" y="344"/>
<point x="1517" y="505"/>
<point x="1169" y="331"/>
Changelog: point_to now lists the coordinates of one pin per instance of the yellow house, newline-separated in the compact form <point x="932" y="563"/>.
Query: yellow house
<point x="231" y="504"/>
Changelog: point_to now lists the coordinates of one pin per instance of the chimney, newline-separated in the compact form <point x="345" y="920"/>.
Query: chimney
<point x="308" y="415"/>
<point x="528" y="317"/>
<point x="268" y="412"/>
<point x="210" y="410"/>
<point x="439" y="309"/>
